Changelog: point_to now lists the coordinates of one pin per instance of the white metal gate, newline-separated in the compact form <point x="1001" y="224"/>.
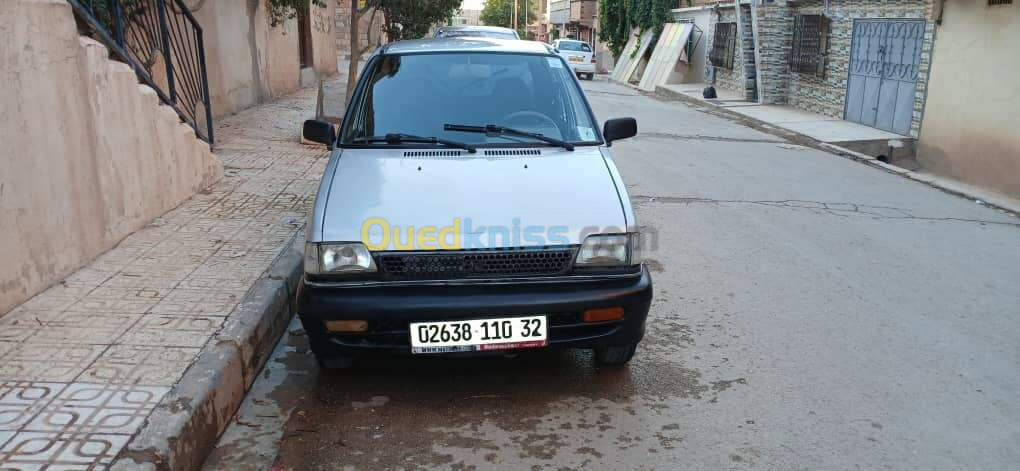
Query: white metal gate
<point x="884" y="58"/>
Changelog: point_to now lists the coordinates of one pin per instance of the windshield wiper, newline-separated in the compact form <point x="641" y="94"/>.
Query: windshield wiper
<point x="399" y="138"/>
<point x="492" y="129"/>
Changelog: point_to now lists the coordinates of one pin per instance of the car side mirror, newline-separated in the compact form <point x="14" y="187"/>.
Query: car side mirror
<point x="318" y="131"/>
<point x="619" y="128"/>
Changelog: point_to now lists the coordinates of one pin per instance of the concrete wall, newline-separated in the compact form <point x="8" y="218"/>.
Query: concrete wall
<point x="248" y="60"/>
<point x="970" y="118"/>
<point x="89" y="155"/>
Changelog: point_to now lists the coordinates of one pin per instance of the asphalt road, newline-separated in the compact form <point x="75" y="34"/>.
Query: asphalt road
<point x="810" y="312"/>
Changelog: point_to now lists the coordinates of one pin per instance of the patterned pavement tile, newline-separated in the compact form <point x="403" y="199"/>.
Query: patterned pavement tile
<point x="172" y="331"/>
<point x="193" y="302"/>
<point x="141" y="365"/>
<point x="47" y="362"/>
<point x="60" y="451"/>
<point x="72" y="327"/>
<point x="20" y="401"/>
<point x="20" y="324"/>
<point x="89" y="408"/>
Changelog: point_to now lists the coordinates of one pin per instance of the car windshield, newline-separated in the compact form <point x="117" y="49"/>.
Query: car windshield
<point x="476" y="33"/>
<point x="419" y="94"/>
<point x="574" y="46"/>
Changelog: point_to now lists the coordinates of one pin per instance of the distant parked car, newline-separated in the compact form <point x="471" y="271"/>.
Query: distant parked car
<point x="471" y="206"/>
<point x="477" y="31"/>
<point x="579" y="55"/>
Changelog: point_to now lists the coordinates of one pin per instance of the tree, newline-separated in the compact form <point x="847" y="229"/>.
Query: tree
<point x="405" y="19"/>
<point x="618" y="17"/>
<point x="499" y="13"/>
<point x="412" y="19"/>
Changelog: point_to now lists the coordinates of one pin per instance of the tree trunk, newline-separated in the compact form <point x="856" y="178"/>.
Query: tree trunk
<point x="352" y="67"/>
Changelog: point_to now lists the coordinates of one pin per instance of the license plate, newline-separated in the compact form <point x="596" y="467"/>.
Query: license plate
<point x="479" y="335"/>
<point x="576" y="59"/>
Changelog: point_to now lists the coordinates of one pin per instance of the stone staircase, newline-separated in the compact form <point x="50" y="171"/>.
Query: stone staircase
<point x="745" y="35"/>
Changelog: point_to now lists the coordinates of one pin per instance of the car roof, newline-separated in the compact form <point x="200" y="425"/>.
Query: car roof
<point x="465" y="44"/>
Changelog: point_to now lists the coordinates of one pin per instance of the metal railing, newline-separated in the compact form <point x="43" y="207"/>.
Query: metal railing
<point x="162" y="42"/>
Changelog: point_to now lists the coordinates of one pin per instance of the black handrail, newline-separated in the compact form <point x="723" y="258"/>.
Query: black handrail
<point x="144" y="32"/>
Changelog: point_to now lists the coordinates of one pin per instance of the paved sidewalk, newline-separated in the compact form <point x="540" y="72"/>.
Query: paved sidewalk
<point x="84" y="363"/>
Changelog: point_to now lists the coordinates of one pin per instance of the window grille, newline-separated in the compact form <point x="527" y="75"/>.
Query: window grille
<point x="723" y="44"/>
<point x="810" y="44"/>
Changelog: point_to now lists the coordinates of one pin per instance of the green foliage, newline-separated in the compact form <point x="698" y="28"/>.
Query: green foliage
<point x="283" y="10"/>
<point x="618" y="17"/>
<point x="411" y="19"/>
<point x="497" y="13"/>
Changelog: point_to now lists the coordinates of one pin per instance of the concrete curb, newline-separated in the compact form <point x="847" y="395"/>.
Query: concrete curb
<point x="954" y="188"/>
<point x="185" y="425"/>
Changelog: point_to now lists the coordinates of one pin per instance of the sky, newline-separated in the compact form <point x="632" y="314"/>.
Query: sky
<point x="471" y="4"/>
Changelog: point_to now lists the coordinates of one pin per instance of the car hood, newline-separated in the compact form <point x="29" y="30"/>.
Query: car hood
<point x="492" y="199"/>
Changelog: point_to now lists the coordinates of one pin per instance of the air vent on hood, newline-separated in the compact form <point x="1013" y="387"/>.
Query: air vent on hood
<point x="432" y="153"/>
<point x="514" y="152"/>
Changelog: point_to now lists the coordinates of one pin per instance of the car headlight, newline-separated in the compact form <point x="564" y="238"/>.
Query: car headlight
<point x="334" y="257"/>
<point x="609" y="250"/>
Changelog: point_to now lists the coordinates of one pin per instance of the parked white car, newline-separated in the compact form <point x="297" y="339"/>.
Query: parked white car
<point x="471" y="205"/>
<point x="578" y="54"/>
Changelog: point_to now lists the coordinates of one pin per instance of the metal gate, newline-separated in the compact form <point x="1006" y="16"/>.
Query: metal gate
<point x="884" y="58"/>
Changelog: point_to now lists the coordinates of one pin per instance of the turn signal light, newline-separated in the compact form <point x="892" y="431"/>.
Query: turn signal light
<point x="603" y="314"/>
<point x="346" y="326"/>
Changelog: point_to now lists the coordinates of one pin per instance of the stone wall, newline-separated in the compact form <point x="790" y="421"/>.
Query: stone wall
<point x="89" y="156"/>
<point x="730" y="79"/>
<point x="775" y="37"/>
<point x="827" y="95"/>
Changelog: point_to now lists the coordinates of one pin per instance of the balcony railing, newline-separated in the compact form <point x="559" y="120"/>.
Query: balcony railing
<point x="162" y="42"/>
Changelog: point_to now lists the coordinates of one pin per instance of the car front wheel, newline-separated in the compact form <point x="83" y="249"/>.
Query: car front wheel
<point x="615" y="356"/>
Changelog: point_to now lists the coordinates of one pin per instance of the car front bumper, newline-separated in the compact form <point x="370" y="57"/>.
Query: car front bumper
<point x="389" y="308"/>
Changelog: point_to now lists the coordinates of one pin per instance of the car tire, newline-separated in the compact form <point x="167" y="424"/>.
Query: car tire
<point x="328" y="360"/>
<point x="615" y="356"/>
<point x="334" y="362"/>
<point x="591" y="76"/>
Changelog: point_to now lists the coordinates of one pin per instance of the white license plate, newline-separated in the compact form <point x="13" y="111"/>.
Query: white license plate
<point x="576" y="59"/>
<point x="479" y="335"/>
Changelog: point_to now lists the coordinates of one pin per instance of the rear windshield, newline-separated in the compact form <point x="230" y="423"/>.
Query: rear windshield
<point x="419" y="93"/>
<point x="574" y="46"/>
<point x="476" y="33"/>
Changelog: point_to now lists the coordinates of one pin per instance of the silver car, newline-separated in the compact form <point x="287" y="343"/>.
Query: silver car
<point x="471" y="205"/>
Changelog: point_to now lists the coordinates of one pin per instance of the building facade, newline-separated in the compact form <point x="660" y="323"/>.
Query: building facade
<point x="863" y="61"/>
<point x="968" y="131"/>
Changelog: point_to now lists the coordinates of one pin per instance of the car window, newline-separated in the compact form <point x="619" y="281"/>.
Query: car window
<point x="419" y="93"/>
<point x="574" y="46"/>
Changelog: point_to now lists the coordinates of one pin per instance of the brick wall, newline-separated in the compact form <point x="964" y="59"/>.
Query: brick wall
<point x="729" y="79"/>
<point x="827" y="95"/>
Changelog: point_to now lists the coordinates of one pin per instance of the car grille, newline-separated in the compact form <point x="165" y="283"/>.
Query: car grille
<point x="475" y="263"/>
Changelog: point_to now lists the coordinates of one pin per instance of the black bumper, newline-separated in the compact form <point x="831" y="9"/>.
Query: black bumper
<point x="389" y="308"/>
